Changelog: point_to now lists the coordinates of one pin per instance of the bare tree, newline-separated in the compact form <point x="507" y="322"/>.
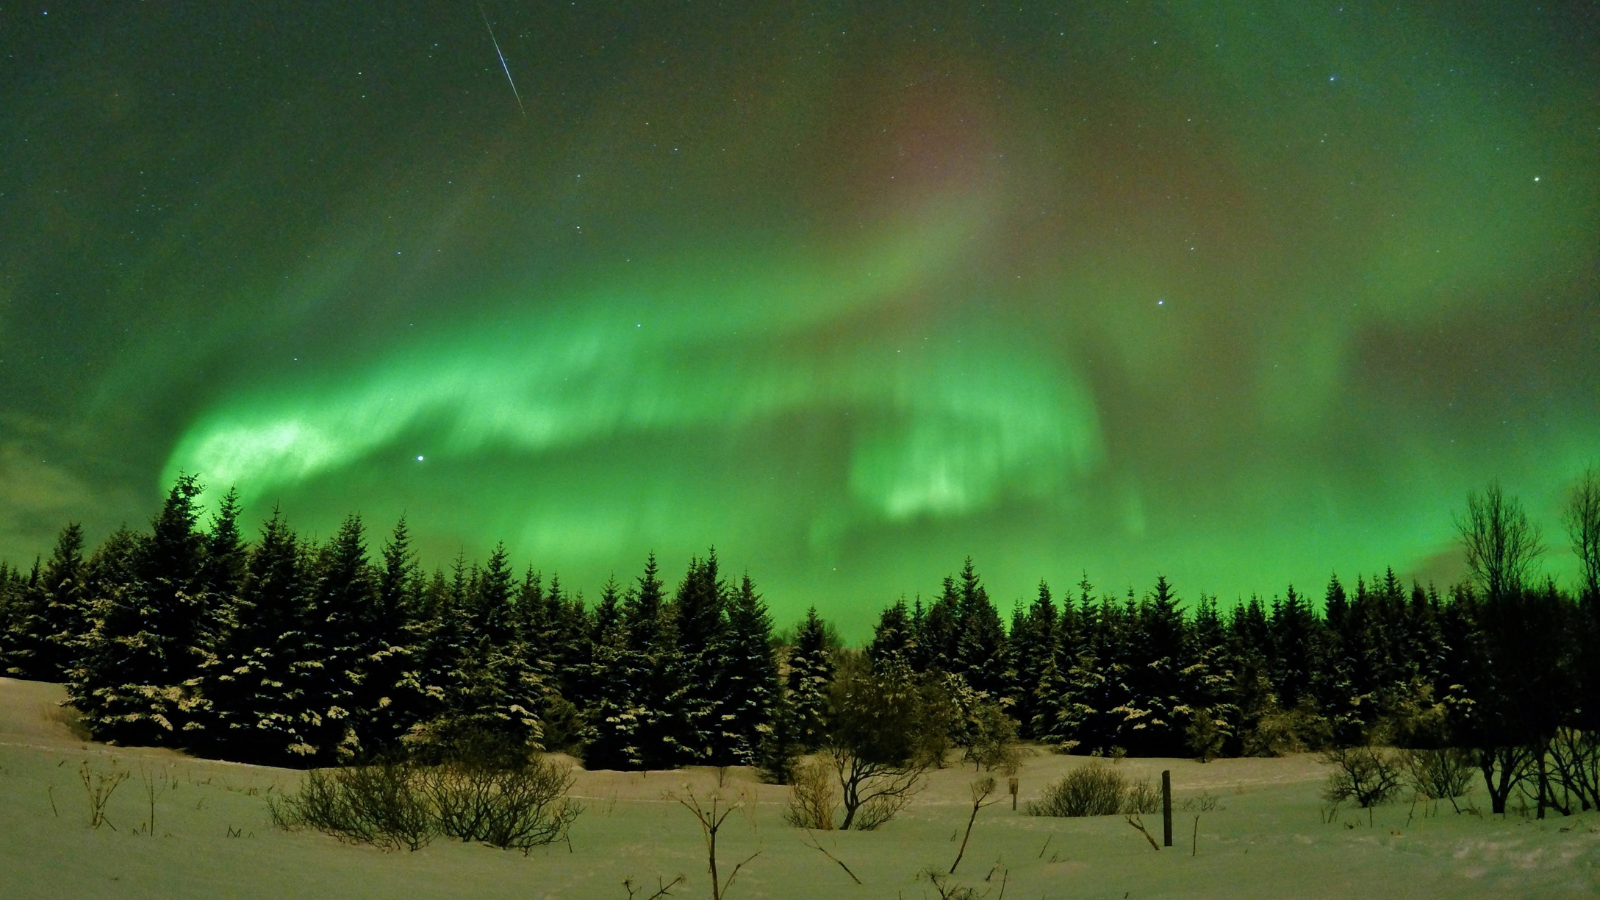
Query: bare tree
<point x="1582" y="518"/>
<point x="1500" y="542"/>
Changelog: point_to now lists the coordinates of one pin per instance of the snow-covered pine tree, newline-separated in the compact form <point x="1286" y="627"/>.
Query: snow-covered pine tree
<point x="892" y="637"/>
<point x="1334" y="683"/>
<point x="26" y="629"/>
<point x="750" y="682"/>
<point x="148" y="639"/>
<point x="1210" y="683"/>
<point x="1034" y="644"/>
<point x="700" y="613"/>
<point x="1156" y="710"/>
<point x="61" y="622"/>
<point x="498" y="689"/>
<point x="810" y="673"/>
<point x="387" y="699"/>
<point x="252" y="687"/>
<point x="8" y="609"/>
<point x="980" y="656"/>
<point x="662" y="690"/>
<point x="613" y="679"/>
<point x="109" y="642"/>
<point x="1295" y="646"/>
<point x="939" y="631"/>
<point x="342" y="620"/>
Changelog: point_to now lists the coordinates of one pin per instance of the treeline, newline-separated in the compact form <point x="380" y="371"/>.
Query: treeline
<point x="287" y="652"/>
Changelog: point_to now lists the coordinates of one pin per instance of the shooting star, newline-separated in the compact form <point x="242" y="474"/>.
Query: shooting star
<point x="502" y="56"/>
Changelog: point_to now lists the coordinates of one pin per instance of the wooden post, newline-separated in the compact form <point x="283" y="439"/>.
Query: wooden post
<point x="1166" y="807"/>
<point x="1012" y="784"/>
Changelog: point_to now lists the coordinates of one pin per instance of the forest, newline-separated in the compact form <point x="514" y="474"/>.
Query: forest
<point x="285" y="652"/>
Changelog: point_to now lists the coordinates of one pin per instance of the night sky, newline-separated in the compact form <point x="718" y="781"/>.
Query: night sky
<point x="1241" y="293"/>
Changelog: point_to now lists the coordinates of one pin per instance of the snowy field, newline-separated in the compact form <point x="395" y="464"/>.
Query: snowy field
<point x="1266" y="837"/>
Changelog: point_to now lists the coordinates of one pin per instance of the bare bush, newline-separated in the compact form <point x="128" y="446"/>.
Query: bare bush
<point x="1439" y="774"/>
<point x="1091" y="790"/>
<point x="1367" y="775"/>
<point x="396" y="803"/>
<point x="812" y="798"/>
<point x="515" y="809"/>
<point x="98" y="788"/>
<point x="1141" y="797"/>
<point x="380" y="804"/>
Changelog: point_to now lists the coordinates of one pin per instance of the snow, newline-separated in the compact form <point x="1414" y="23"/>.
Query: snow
<point x="1266" y="839"/>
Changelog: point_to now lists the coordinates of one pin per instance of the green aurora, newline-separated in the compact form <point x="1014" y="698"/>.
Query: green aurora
<point x="1238" y="293"/>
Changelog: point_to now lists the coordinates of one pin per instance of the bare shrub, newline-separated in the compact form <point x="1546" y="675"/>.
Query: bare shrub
<point x="1439" y="774"/>
<point x="812" y="798"/>
<point x="1367" y="775"/>
<point x="1141" y="797"/>
<point x="98" y="787"/>
<point x="396" y="803"/>
<point x="1091" y="790"/>
<point x="518" y="808"/>
<point x="380" y="804"/>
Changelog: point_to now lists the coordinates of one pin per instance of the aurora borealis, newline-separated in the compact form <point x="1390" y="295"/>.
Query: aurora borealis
<point x="1238" y="293"/>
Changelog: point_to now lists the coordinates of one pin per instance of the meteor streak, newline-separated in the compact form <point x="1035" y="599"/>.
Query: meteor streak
<point x="502" y="56"/>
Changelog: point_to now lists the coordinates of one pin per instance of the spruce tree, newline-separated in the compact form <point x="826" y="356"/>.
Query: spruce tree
<point x="980" y="653"/>
<point x="1035" y="643"/>
<point x="25" y="644"/>
<point x="810" y="674"/>
<point x="341" y="642"/>
<point x="615" y="679"/>
<point x="751" y="680"/>
<point x="496" y="688"/>
<point x="666" y="739"/>
<point x="254" y="684"/>
<point x="699" y="611"/>
<point x="892" y="637"/>
<point x="1157" y="712"/>
<point x="64" y="599"/>
<point x="111" y="644"/>
<point x="388" y="699"/>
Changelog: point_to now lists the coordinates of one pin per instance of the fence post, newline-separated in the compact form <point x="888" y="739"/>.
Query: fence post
<point x="1166" y="807"/>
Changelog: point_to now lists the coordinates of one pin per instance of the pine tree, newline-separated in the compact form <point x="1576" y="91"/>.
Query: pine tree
<point x="699" y="611"/>
<point x="666" y="739"/>
<point x="892" y="637"/>
<point x="342" y="640"/>
<point x="148" y="638"/>
<point x="254" y="684"/>
<point x="751" y="680"/>
<point x="1035" y="644"/>
<point x="110" y="645"/>
<point x="64" y="595"/>
<point x="939" y="631"/>
<point x="1295" y="647"/>
<point x="980" y="654"/>
<point x="1156" y="713"/>
<point x="25" y="643"/>
<point x="810" y="673"/>
<point x="389" y="700"/>
<point x="1211" y="684"/>
<point x="615" y="677"/>
<point x="496" y="688"/>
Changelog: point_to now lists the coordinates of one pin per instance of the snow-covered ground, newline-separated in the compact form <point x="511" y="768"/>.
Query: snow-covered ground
<point x="1266" y="838"/>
